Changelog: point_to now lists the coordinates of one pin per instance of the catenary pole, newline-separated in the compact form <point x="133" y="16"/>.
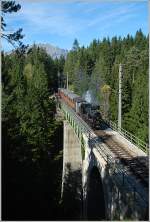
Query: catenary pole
<point x="120" y="93"/>
<point x="67" y="80"/>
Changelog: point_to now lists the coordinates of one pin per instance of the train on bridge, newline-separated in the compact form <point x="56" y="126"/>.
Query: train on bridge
<point x="135" y="164"/>
<point x="88" y="111"/>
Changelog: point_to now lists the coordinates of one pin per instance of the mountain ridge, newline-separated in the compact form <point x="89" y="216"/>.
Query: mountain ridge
<point x="53" y="51"/>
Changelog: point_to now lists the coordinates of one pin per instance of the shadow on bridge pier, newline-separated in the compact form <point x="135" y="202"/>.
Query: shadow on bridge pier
<point x="95" y="200"/>
<point x="72" y="194"/>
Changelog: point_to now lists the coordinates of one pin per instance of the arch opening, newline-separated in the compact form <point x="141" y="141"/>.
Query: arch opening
<point x="95" y="198"/>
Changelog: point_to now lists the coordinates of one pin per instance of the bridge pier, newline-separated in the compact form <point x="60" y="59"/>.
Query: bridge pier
<point x="72" y="175"/>
<point x="88" y="163"/>
<point x="120" y="201"/>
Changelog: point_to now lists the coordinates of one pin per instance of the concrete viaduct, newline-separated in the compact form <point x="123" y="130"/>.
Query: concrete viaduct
<point x="95" y="185"/>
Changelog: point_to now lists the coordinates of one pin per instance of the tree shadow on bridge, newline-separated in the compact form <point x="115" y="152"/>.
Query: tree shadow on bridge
<point x="138" y="166"/>
<point x="138" y="175"/>
<point x="132" y="202"/>
<point x="72" y="194"/>
<point x="104" y="125"/>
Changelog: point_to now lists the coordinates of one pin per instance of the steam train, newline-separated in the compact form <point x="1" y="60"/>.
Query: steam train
<point x="89" y="112"/>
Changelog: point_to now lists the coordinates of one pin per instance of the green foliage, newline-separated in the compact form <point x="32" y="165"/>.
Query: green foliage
<point x="75" y="45"/>
<point x="32" y="138"/>
<point x="26" y="98"/>
<point x="15" y="37"/>
<point x="10" y="6"/>
<point x="98" y="64"/>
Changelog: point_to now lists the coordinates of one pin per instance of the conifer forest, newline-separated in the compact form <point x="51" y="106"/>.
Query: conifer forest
<point x="97" y="66"/>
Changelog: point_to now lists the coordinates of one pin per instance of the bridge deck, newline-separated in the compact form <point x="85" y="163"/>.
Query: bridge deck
<point x="128" y="165"/>
<point x="121" y="141"/>
<point x="134" y="159"/>
<point x="111" y="144"/>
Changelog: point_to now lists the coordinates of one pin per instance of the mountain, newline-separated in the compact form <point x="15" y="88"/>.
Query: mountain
<point x="53" y="51"/>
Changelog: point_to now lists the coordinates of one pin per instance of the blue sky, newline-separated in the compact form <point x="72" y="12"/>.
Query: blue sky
<point x="60" y="22"/>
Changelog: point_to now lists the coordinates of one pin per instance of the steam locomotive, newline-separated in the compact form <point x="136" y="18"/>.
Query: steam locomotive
<point x="89" y="112"/>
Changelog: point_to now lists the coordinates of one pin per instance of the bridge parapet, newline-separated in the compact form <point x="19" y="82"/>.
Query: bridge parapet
<point x="129" y="136"/>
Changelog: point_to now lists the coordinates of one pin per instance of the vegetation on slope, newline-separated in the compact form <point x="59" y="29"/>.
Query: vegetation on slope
<point x="31" y="137"/>
<point x="98" y="65"/>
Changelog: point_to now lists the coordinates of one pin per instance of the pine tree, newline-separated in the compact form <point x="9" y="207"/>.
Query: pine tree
<point x="75" y="45"/>
<point x="16" y="37"/>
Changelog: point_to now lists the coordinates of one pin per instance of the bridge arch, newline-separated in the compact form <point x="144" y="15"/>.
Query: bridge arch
<point x="95" y="196"/>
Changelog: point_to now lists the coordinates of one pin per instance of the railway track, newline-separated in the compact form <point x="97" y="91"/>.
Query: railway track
<point x="135" y="165"/>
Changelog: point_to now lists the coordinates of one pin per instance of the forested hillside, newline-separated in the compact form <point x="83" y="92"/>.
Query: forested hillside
<point x="31" y="136"/>
<point x="96" y="68"/>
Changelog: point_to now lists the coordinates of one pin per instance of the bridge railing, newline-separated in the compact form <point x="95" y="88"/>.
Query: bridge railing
<point x="86" y="130"/>
<point x="129" y="136"/>
<point x="116" y="166"/>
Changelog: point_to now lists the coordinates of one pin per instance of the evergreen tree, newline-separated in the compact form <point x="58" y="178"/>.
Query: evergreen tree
<point x="75" y="45"/>
<point x="12" y="38"/>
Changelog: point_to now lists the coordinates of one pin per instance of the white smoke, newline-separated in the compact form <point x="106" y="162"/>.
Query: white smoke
<point x="89" y="97"/>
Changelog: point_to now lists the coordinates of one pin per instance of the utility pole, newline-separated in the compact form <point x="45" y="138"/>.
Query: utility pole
<point x="67" y="80"/>
<point x="120" y="103"/>
<point x="58" y="77"/>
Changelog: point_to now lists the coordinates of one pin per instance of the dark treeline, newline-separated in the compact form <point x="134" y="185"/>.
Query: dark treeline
<point x="31" y="137"/>
<point x="97" y="66"/>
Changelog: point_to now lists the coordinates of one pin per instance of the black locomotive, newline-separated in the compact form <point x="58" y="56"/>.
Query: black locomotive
<point x="89" y="112"/>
